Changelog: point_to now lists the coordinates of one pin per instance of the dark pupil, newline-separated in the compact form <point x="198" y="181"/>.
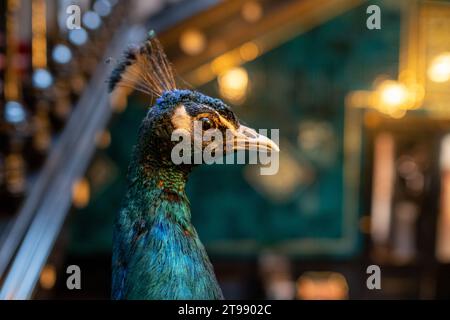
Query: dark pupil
<point x="206" y="123"/>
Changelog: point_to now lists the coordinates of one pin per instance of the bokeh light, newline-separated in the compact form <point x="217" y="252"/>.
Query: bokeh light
<point x="61" y="54"/>
<point x="233" y="84"/>
<point x="252" y="11"/>
<point x="47" y="279"/>
<point x="42" y="78"/>
<point x="81" y="193"/>
<point x="439" y="70"/>
<point x="192" y="41"/>
<point x="14" y="112"/>
<point x="78" y="36"/>
<point x="92" y="20"/>
<point x="102" y="7"/>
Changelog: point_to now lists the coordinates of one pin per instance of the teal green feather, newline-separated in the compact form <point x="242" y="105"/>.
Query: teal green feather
<point x="157" y="253"/>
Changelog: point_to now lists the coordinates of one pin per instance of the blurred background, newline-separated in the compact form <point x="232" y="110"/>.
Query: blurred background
<point x="364" y="121"/>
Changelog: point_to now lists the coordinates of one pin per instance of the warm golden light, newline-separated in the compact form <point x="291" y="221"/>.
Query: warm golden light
<point x="81" y="193"/>
<point x="192" y="41"/>
<point x="48" y="277"/>
<point x="443" y="226"/>
<point x="398" y="113"/>
<point x="252" y="11"/>
<point x="233" y="84"/>
<point x="14" y="173"/>
<point x="224" y="62"/>
<point x="392" y="98"/>
<point x="393" y="94"/>
<point x="39" y="30"/>
<point x="358" y="99"/>
<point x="249" y="51"/>
<point x="439" y="70"/>
<point x="322" y="286"/>
<point x="103" y="139"/>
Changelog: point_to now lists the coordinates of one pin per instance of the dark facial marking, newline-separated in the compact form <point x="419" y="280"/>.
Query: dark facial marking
<point x="207" y="123"/>
<point x="195" y="110"/>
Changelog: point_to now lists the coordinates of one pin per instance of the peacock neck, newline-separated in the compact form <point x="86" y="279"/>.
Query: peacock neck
<point x="158" y="254"/>
<point x="155" y="183"/>
<point x="154" y="174"/>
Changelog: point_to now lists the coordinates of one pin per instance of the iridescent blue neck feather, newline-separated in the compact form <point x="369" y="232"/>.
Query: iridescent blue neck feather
<point x="157" y="253"/>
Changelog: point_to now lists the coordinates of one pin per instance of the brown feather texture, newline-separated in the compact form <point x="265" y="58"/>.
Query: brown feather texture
<point x="144" y="68"/>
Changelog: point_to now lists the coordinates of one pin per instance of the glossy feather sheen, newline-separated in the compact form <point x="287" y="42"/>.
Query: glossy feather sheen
<point x="157" y="253"/>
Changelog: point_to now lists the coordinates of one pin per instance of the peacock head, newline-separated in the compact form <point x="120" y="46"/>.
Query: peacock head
<point x="181" y="123"/>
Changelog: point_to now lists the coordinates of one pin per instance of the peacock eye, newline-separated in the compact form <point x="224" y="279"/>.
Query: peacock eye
<point x="207" y="123"/>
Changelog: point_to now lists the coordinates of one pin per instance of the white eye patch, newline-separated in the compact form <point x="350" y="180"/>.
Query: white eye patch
<point x="180" y="118"/>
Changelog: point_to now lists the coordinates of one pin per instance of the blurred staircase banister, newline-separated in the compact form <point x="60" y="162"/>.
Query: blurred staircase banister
<point x="30" y="238"/>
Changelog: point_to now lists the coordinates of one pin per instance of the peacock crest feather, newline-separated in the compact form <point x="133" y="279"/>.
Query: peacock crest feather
<point x="144" y="68"/>
<point x="157" y="253"/>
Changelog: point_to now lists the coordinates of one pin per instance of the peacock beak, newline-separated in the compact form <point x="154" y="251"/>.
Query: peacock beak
<point x="246" y="138"/>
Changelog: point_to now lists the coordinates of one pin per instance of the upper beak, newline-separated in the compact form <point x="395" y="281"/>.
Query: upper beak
<point x="246" y="138"/>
